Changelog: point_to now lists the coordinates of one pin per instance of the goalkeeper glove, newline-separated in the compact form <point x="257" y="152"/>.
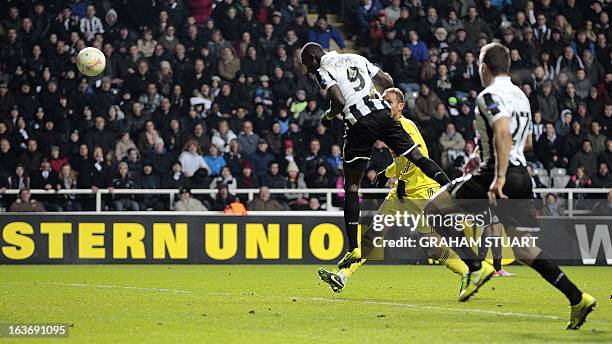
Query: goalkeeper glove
<point x="327" y="119"/>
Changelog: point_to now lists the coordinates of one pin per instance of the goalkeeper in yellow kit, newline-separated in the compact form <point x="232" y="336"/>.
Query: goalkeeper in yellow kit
<point x="409" y="194"/>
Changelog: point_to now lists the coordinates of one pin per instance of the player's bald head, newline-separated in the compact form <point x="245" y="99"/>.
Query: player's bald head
<point x="311" y="56"/>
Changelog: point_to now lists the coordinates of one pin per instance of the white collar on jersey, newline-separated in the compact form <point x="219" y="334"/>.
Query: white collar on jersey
<point x="503" y="78"/>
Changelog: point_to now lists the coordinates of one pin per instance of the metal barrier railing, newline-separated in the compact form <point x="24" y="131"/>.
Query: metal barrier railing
<point x="329" y="192"/>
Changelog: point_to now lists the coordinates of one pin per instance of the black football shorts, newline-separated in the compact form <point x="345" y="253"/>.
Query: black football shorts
<point x="378" y="125"/>
<point x="471" y="193"/>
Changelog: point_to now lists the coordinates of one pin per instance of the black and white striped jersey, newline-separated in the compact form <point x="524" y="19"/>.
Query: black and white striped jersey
<point x="353" y="74"/>
<point x="503" y="99"/>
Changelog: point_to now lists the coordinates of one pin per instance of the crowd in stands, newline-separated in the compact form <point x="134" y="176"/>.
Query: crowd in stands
<point x="211" y="93"/>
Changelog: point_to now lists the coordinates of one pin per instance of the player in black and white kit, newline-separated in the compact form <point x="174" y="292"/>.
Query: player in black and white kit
<point x="503" y="183"/>
<point x="349" y="81"/>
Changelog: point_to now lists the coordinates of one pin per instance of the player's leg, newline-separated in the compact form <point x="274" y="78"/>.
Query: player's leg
<point x="497" y="230"/>
<point x="357" y="148"/>
<point x="337" y="280"/>
<point x="445" y="203"/>
<point x="518" y="217"/>
<point x="581" y="303"/>
<point x="401" y="143"/>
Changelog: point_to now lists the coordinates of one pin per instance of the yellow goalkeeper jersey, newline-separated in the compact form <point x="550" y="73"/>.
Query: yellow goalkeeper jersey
<point x="417" y="184"/>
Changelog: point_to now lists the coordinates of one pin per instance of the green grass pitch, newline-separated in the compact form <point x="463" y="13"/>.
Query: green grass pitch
<point x="286" y="304"/>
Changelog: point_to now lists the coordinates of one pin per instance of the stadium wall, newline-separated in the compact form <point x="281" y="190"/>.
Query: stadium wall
<point x="270" y="238"/>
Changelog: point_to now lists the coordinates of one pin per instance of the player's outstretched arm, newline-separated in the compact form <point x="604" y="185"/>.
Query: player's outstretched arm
<point x="382" y="79"/>
<point x="337" y="104"/>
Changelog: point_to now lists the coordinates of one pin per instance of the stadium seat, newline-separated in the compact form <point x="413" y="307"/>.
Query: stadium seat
<point x="560" y="181"/>
<point x="540" y="172"/>
<point x="544" y="179"/>
<point x="558" y="172"/>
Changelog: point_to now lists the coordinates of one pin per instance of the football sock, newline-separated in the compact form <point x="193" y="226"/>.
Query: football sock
<point x="497" y="257"/>
<point x="551" y="272"/>
<point x="351" y="218"/>
<point x="432" y="170"/>
<point x="452" y="262"/>
<point x="467" y="255"/>
<point x="345" y="274"/>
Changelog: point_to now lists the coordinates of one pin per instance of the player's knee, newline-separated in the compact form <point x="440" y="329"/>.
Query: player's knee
<point x="415" y="155"/>
<point x="527" y="255"/>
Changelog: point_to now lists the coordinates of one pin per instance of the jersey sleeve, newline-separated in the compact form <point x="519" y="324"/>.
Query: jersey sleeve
<point x="370" y="67"/>
<point x="491" y="106"/>
<point x="390" y="170"/>
<point x="325" y="78"/>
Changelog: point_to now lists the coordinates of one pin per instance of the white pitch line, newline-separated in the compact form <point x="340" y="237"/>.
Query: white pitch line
<point x="322" y="299"/>
<point x="105" y="286"/>
<point x="434" y="308"/>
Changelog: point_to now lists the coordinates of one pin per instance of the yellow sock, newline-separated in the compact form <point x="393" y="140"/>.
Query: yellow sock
<point x="451" y="260"/>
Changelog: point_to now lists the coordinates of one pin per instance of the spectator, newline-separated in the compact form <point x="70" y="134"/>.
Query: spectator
<point x="407" y="71"/>
<point x="191" y="159"/>
<point x="229" y="65"/>
<point x="419" y="50"/>
<point x="552" y="149"/>
<point x="603" y="178"/>
<point x="295" y="180"/>
<point x="392" y="12"/>
<point x="124" y="144"/>
<point x="55" y="159"/>
<point x="223" y="198"/>
<point x="547" y="104"/>
<point x="91" y="25"/>
<point x="176" y="178"/>
<point x="32" y="157"/>
<point x="188" y="203"/>
<point x="67" y="179"/>
<point x="597" y="138"/>
<point x="568" y="62"/>
<point x="100" y="136"/>
<point x="314" y="204"/>
<point x="310" y="117"/>
<point x="367" y="11"/>
<point x="26" y="204"/>
<point x="606" y="156"/>
<point x="214" y="161"/>
<point x="604" y="208"/>
<point x="223" y="136"/>
<point x="474" y="25"/>
<point x="553" y="206"/>
<point x="323" y="33"/>
<point x="248" y="139"/>
<point x="273" y="179"/>
<point x="260" y="160"/>
<point x="148" y="179"/>
<point x="452" y="144"/>
<point x="580" y="180"/>
<point x="247" y="180"/>
<point x="265" y="203"/>
<point x="426" y="104"/>
<point x="225" y="178"/>
<point x="120" y="181"/>
<point x="585" y="159"/>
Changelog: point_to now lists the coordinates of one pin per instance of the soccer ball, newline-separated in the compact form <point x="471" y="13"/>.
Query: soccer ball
<point x="91" y="61"/>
